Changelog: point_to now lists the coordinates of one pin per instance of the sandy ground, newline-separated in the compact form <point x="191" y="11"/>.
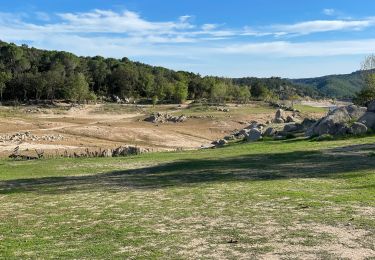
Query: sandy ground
<point x="85" y="128"/>
<point x="92" y="127"/>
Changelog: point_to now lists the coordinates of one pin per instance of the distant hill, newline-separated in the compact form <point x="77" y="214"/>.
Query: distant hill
<point x="334" y="86"/>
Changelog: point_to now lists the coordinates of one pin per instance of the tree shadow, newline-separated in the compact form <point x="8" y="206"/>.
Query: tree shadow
<point x="330" y="163"/>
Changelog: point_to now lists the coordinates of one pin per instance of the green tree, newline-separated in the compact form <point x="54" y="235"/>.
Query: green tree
<point x="367" y="93"/>
<point x="5" y="77"/>
<point x="78" y="88"/>
<point x="180" y="92"/>
<point x="258" y="90"/>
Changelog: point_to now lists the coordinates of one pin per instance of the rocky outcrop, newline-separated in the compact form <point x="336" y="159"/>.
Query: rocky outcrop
<point x="163" y="118"/>
<point x="358" y="129"/>
<point x="337" y="122"/>
<point x="368" y="119"/>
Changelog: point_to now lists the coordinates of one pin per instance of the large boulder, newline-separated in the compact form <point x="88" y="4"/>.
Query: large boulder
<point x="254" y="135"/>
<point x="335" y="123"/>
<point x="368" y="120"/>
<point x="358" y="129"/>
<point x="371" y="106"/>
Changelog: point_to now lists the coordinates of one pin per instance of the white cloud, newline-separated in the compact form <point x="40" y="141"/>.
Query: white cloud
<point x="302" y="49"/>
<point x="316" y="26"/>
<point x="329" y="11"/>
<point x="107" y="33"/>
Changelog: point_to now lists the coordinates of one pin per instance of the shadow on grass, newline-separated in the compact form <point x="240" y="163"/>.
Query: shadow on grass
<point x="260" y="167"/>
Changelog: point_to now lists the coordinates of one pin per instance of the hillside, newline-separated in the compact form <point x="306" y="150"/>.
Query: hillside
<point x="32" y="74"/>
<point x="335" y="86"/>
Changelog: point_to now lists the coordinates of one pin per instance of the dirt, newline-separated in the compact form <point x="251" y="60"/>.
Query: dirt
<point x="93" y="127"/>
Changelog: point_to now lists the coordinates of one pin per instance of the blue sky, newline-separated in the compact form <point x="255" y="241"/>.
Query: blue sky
<point x="289" y="38"/>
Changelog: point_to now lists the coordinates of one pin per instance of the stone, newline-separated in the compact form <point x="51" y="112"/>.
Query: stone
<point x="254" y="135"/>
<point x="358" y="129"/>
<point x="280" y="113"/>
<point x="335" y="123"/>
<point x="289" y="119"/>
<point x="290" y="127"/>
<point x="371" y="106"/>
<point x="220" y="142"/>
<point x="368" y="119"/>
<point x="278" y="120"/>
<point x="270" y="131"/>
<point x="229" y="137"/>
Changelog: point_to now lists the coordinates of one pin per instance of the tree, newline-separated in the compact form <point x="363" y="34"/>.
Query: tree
<point x="367" y="94"/>
<point x="218" y="92"/>
<point x="180" y="92"/>
<point x="78" y="88"/>
<point x="258" y="90"/>
<point x="5" y="77"/>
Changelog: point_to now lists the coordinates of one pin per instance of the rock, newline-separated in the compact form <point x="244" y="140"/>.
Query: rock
<point x="356" y="112"/>
<point x="162" y="118"/>
<point x="252" y="125"/>
<point x="290" y="127"/>
<point x="278" y="120"/>
<point x="254" y="135"/>
<point x="220" y="142"/>
<point x="335" y="123"/>
<point x="371" y="106"/>
<point x="244" y="132"/>
<point x="270" y="131"/>
<point x="280" y="113"/>
<point x="289" y="119"/>
<point x="368" y="119"/>
<point x="229" y="137"/>
<point x="307" y="123"/>
<point x="107" y="153"/>
<point x="358" y="129"/>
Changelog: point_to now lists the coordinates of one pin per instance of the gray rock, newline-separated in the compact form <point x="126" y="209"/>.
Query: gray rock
<point x="280" y="113"/>
<point x="358" y="129"/>
<point x="289" y="119"/>
<point x="368" y="120"/>
<point x="244" y="131"/>
<point x="290" y="127"/>
<point x="335" y="123"/>
<point x="371" y="106"/>
<point x="279" y="120"/>
<point x="254" y="135"/>
<point x="270" y="131"/>
<point x="220" y="142"/>
<point x="229" y="137"/>
<point x="356" y="112"/>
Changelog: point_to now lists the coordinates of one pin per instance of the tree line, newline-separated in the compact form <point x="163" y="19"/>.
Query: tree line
<point x="33" y="74"/>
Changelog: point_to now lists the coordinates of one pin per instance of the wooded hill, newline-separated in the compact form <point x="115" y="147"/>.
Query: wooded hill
<point x="33" y="74"/>
<point x="335" y="86"/>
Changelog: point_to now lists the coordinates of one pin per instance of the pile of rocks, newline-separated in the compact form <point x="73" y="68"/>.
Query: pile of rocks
<point x="222" y="109"/>
<point x="163" y="118"/>
<point x="281" y="117"/>
<point x="28" y="136"/>
<point x="256" y="131"/>
<point x="119" y="152"/>
<point x="348" y="120"/>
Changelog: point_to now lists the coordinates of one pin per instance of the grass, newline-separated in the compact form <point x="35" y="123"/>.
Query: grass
<point x="288" y="199"/>
<point x="310" y="109"/>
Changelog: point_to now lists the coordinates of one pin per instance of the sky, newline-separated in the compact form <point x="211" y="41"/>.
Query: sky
<point x="237" y="38"/>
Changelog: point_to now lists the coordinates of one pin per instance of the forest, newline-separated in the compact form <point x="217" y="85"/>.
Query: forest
<point x="27" y="73"/>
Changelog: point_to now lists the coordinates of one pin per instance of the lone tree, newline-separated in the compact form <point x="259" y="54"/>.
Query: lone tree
<point x="368" y="72"/>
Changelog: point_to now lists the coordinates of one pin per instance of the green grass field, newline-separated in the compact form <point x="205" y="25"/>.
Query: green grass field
<point x="280" y="199"/>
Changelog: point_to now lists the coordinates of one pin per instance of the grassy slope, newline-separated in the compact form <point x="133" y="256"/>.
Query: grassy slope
<point x="291" y="198"/>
